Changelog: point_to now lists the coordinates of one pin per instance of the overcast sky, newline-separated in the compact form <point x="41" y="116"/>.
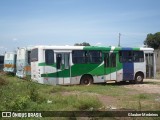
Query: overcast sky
<point x="66" y="22"/>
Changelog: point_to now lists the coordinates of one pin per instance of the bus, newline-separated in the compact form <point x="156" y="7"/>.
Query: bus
<point x="1" y="62"/>
<point x="23" y="62"/>
<point x="10" y="62"/>
<point x="67" y="65"/>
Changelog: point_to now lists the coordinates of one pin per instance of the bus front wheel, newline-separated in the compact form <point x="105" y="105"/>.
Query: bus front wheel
<point x="139" y="78"/>
<point x="86" y="80"/>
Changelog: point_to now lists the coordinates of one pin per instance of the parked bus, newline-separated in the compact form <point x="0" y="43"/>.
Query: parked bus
<point x="23" y="62"/>
<point x="65" y="65"/>
<point x="10" y="62"/>
<point x="1" y="62"/>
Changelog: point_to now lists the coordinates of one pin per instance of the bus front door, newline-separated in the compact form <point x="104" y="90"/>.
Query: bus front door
<point x="150" y="67"/>
<point x="63" y="68"/>
<point x="110" y="66"/>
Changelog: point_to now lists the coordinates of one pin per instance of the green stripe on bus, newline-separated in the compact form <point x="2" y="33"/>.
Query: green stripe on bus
<point x="44" y="64"/>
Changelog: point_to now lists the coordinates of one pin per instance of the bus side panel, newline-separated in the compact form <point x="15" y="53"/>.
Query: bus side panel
<point x="120" y="75"/>
<point x="75" y="80"/>
<point x="140" y="67"/>
<point x="128" y="71"/>
<point x="35" y="74"/>
<point x="99" y="79"/>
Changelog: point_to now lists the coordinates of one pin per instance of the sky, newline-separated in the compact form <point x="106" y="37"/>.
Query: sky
<point x="66" y="22"/>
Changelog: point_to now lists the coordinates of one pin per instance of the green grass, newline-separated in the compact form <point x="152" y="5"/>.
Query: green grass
<point x="158" y="75"/>
<point x="26" y="95"/>
<point x="18" y="94"/>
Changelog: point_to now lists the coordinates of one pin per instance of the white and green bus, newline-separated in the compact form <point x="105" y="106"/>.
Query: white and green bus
<point x="66" y="65"/>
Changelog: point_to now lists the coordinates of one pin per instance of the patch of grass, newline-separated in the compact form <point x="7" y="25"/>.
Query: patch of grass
<point x="111" y="90"/>
<point x="3" y="81"/>
<point x="58" y="89"/>
<point x="87" y="103"/>
<point x="143" y="96"/>
<point x="158" y="75"/>
<point x="18" y="92"/>
<point x="140" y="101"/>
<point x="19" y="103"/>
<point x="21" y="94"/>
<point x="33" y="93"/>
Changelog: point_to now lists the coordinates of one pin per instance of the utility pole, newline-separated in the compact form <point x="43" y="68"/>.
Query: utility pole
<point x="119" y="40"/>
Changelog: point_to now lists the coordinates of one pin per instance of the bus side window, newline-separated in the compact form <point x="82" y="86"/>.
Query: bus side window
<point x="49" y="57"/>
<point x="125" y="56"/>
<point x="79" y="56"/>
<point x="66" y="61"/>
<point x="106" y="60"/>
<point x="34" y="55"/>
<point x="113" y="59"/>
<point x="138" y="56"/>
<point x="94" y="56"/>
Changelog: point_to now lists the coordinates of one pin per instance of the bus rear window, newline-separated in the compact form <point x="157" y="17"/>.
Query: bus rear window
<point x="34" y="55"/>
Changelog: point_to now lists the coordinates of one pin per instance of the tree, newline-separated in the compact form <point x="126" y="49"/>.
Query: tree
<point x="153" y="40"/>
<point x="82" y="44"/>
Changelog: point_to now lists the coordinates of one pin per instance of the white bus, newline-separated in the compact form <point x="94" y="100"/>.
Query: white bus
<point x="23" y="62"/>
<point x="10" y="62"/>
<point x="65" y="65"/>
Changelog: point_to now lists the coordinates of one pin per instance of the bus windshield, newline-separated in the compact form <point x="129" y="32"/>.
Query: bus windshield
<point x="34" y="55"/>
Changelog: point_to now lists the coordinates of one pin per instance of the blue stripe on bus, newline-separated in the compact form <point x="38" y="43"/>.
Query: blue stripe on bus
<point x="128" y="68"/>
<point x="128" y="71"/>
<point x="126" y="48"/>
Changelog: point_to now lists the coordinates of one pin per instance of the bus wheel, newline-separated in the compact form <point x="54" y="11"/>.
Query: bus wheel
<point x="139" y="78"/>
<point x="86" y="80"/>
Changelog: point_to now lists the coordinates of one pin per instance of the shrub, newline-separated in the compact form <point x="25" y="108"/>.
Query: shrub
<point x="19" y="103"/>
<point x="34" y="94"/>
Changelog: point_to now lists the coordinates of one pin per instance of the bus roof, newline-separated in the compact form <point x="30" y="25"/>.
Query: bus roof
<point x="10" y="53"/>
<point x="26" y="48"/>
<point x="109" y="48"/>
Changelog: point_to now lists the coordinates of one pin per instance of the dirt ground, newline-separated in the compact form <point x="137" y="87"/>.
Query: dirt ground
<point x="149" y="86"/>
<point x="110" y="102"/>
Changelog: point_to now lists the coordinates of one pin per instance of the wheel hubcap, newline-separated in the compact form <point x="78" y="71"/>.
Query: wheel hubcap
<point x="139" y="78"/>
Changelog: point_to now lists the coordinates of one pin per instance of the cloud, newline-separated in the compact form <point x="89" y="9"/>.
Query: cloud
<point x="15" y="39"/>
<point x="98" y="44"/>
<point x="1" y="47"/>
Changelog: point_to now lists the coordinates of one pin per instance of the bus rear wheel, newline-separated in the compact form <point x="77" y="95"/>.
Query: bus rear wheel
<point x="86" y="80"/>
<point x="139" y="78"/>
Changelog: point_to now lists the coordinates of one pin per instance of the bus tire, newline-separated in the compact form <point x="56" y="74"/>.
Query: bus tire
<point x="86" y="80"/>
<point x="139" y="78"/>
